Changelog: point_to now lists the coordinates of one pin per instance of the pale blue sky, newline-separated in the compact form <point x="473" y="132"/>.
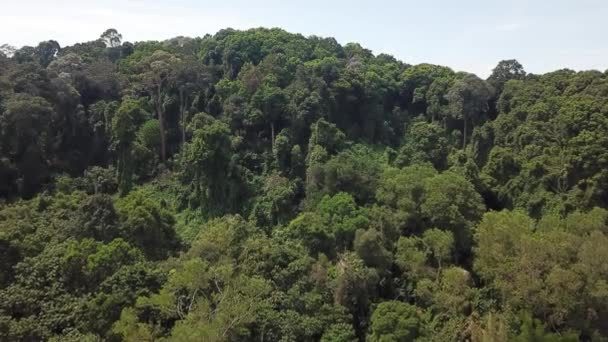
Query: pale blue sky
<point x="469" y="35"/>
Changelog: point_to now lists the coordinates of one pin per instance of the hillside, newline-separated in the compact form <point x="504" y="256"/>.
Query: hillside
<point x="261" y="185"/>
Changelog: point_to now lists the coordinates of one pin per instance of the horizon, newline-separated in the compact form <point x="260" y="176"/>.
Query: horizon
<point x="567" y="36"/>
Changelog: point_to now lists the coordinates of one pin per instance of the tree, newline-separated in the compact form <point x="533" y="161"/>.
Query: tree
<point x="271" y="101"/>
<point x="451" y="202"/>
<point x="369" y="245"/>
<point x="403" y="191"/>
<point x="97" y="219"/>
<point x="424" y="143"/>
<point x="189" y="77"/>
<point x="7" y="50"/>
<point x="533" y="330"/>
<point x="355" y="170"/>
<point x="412" y="258"/>
<point x="468" y="101"/>
<point x="46" y="52"/>
<point x="147" y="225"/>
<point x="226" y="315"/>
<point x="330" y="228"/>
<point x="440" y="243"/>
<point x="437" y="103"/>
<point x="281" y="151"/>
<point x="326" y="135"/>
<point x="424" y="85"/>
<point x="325" y="139"/>
<point x="27" y="141"/>
<point x="452" y="293"/>
<point x="395" y="321"/>
<point x="521" y="258"/>
<point x="49" y="294"/>
<point x="155" y="75"/>
<point x="340" y="332"/>
<point x="504" y="71"/>
<point x="355" y="289"/>
<point x="207" y="165"/>
<point x="111" y="38"/>
<point x="125" y="123"/>
<point x="275" y="205"/>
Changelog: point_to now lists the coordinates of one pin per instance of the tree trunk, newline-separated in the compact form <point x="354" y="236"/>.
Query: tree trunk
<point x="272" y="133"/>
<point x="161" y="124"/>
<point x="182" y="110"/>
<point x="464" y="138"/>
<point x="438" y="274"/>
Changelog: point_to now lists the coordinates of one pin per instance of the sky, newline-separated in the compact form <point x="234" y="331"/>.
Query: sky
<point x="466" y="35"/>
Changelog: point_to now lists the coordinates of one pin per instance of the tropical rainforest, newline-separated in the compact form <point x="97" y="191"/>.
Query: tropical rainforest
<point x="262" y="186"/>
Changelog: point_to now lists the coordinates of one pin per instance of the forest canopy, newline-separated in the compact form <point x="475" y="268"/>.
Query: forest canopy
<point x="261" y="185"/>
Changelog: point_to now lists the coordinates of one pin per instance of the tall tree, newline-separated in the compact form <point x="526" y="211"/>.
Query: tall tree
<point x="156" y="72"/>
<point x="125" y="124"/>
<point x="46" y="52"/>
<point x="271" y="101"/>
<point x="468" y="99"/>
<point x="27" y="143"/>
<point x="506" y="70"/>
<point x="7" y="50"/>
<point x="111" y="38"/>
<point x="189" y="77"/>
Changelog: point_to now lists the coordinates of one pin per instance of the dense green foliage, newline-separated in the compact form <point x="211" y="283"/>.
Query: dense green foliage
<point x="263" y="186"/>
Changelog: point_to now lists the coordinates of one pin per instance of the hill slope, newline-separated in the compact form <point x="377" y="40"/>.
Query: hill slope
<point x="264" y="186"/>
